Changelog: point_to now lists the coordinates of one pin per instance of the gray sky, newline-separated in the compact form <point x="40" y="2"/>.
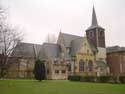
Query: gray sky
<point x="37" y="18"/>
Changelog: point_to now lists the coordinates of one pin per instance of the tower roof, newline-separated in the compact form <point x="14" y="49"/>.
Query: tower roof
<point x="94" y="23"/>
<point x="94" y="19"/>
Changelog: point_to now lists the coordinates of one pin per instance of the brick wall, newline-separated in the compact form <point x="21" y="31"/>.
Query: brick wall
<point x="116" y="62"/>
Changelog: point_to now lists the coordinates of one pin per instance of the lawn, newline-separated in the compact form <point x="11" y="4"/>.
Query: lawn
<point x="58" y="87"/>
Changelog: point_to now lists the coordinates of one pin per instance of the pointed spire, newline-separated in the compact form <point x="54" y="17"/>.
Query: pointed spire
<point x="94" y="19"/>
<point x="94" y="23"/>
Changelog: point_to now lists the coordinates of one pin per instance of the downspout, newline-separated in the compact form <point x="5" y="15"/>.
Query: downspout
<point x="35" y="53"/>
<point x="122" y="62"/>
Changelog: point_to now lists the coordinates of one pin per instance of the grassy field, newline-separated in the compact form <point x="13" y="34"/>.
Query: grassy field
<point x="58" y="87"/>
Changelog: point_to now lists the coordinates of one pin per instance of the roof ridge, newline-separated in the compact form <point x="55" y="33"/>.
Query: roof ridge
<point x="71" y="34"/>
<point x="78" y="38"/>
<point x="29" y="43"/>
<point x="50" y="43"/>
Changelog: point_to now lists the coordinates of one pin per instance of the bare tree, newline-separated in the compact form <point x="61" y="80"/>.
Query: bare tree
<point x="9" y="37"/>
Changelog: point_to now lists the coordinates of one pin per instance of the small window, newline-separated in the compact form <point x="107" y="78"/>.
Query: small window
<point x="57" y="71"/>
<point x="47" y="71"/>
<point x="63" y="71"/>
<point x="91" y="34"/>
<point x="101" y="33"/>
<point x="55" y="61"/>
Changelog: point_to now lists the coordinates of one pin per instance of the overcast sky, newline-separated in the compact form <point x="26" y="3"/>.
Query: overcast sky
<point x="37" y="18"/>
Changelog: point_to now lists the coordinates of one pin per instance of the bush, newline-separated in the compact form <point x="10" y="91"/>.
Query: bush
<point x="39" y="70"/>
<point x="104" y="79"/>
<point x="81" y="78"/>
<point x="74" y="78"/>
<point x="101" y="79"/>
<point x="114" y="79"/>
<point x="122" y="79"/>
<point x="88" y="79"/>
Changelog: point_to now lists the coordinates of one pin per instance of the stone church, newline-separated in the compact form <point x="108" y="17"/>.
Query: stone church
<point x="71" y="55"/>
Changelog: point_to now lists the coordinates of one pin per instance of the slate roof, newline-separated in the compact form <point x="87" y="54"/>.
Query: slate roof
<point x="76" y="44"/>
<point x="26" y="50"/>
<point x="68" y="38"/>
<point x="115" y="49"/>
<point x="49" y="51"/>
<point x="92" y="27"/>
<point x="37" y="49"/>
<point x="94" y="18"/>
<point x="41" y="54"/>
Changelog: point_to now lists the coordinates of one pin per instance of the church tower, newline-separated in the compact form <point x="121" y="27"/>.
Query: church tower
<point x="96" y="33"/>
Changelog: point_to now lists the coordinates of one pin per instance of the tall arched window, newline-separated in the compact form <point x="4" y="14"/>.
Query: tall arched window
<point x="90" y="65"/>
<point x="81" y="65"/>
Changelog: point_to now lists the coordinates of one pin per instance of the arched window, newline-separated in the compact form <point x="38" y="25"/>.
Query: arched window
<point x="91" y="33"/>
<point x="90" y="65"/>
<point x="101" y="33"/>
<point x="81" y="65"/>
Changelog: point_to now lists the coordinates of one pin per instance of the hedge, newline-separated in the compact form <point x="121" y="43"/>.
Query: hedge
<point x="74" y="78"/>
<point x="122" y="79"/>
<point x="88" y="79"/>
<point x="100" y="79"/>
<point x="103" y="79"/>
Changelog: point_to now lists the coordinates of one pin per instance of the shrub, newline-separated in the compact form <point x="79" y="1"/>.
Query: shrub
<point x="122" y="79"/>
<point x="39" y="70"/>
<point x="104" y="79"/>
<point x="74" y="78"/>
<point x="88" y="79"/>
<point x="114" y="79"/>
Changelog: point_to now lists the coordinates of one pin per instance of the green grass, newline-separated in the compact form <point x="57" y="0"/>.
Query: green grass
<point x="58" y="87"/>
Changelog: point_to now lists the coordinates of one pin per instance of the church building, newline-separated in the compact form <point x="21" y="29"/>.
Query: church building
<point x="71" y="55"/>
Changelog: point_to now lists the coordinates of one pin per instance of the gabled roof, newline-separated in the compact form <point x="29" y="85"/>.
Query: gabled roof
<point x="68" y="38"/>
<point x="26" y="50"/>
<point x="76" y="45"/>
<point x="49" y="51"/>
